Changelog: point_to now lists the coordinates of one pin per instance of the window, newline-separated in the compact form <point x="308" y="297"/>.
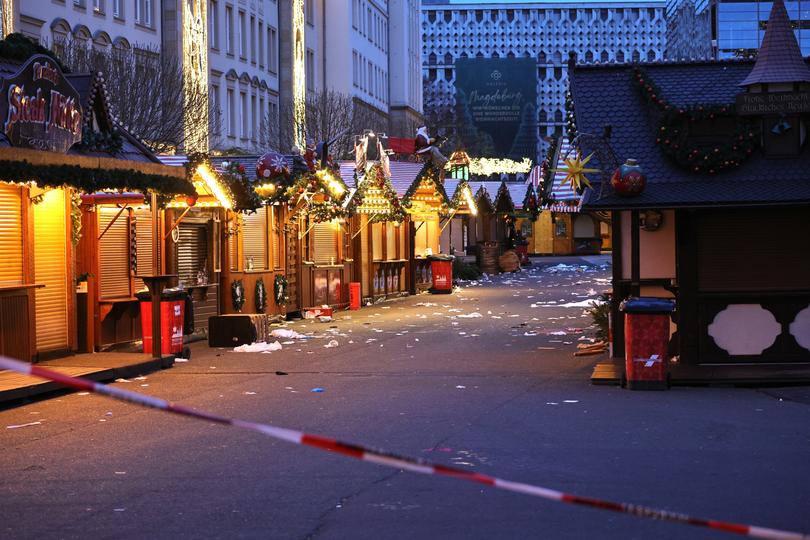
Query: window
<point x="242" y="35"/>
<point x="243" y="133"/>
<point x="143" y="12"/>
<point x="272" y="50"/>
<point x="216" y="112"/>
<point x="275" y="219"/>
<point x="254" y="240"/>
<point x="213" y="24"/>
<point x="231" y="114"/>
<point x="370" y="74"/>
<point x="324" y="248"/>
<point x="309" y="12"/>
<point x="253" y="118"/>
<point x="118" y="9"/>
<point x="355" y="9"/>
<point x="229" y="29"/>
<point x="252" y="39"/>
<point x="259" y="113"/>
<point x="310" y="70"/>
<point x="261" y="44"/>
<point x="98" y="6"/>
<point x="354" y="68"/>
<point x="79" y="3"/>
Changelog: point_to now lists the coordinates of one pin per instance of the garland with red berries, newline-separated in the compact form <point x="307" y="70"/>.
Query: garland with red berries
<point x="673" y="132"/>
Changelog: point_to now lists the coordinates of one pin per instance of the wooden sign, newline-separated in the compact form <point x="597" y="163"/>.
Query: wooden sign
<point x="771" y="103"/>
<point x="40" y="109"/>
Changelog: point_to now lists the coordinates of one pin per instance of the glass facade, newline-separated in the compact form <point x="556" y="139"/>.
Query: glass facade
<point x="741" y="26"/>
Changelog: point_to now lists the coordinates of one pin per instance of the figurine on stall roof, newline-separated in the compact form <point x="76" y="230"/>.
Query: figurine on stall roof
<point x="428" y="146"/>
<point x="299" y="164"/>
<point x="309" y="154"/>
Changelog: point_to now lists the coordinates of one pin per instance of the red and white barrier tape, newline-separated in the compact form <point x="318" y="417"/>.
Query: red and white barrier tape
<point x="398" y="462"/>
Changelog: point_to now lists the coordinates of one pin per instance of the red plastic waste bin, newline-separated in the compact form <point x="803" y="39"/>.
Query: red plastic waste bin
<point x="441" y="266"/>
<point x="172" y="306"/>
<point x="354" y="295"/>
<point x="646" y="339"/>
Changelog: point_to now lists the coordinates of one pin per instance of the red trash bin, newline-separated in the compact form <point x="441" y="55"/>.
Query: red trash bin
<point x="354" y="295"/>
<point x="441" y="266"/>
<point x="646" y="340"/>
<point x="172" y="307"/>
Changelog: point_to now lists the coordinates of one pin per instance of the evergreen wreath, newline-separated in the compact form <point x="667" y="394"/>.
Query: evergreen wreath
<point x="261" y="296"/>
<point x="375" y="178"/>
<point x="324" y="204"/>
<point x="281" y="290"/>
<point x="673" y="132"/>
<point x="237" y="295"/>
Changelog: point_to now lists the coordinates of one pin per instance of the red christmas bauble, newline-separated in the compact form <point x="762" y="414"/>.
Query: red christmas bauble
<point x="629" y="180"/>
<point x="270" y="166"/>
<point x="191" y="200"/>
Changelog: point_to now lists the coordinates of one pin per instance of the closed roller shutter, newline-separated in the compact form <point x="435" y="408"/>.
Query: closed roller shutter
<point x="377" y="241"/>
<point x="391" y="241"/>
<point x="364" y="250"/>
<point x="254" y="239"/>
<point x="192" y="252"/>
<point x="276" y="239"/>
<point x="325" y="243"/>
<point x="11" y="244"/>
<point x="143" y="240"/>
<point x="50" y="269"/>
<point x="114" y="254"/>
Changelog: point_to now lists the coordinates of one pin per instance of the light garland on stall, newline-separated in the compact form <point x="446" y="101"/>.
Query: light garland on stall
<point x="488" y="166"/>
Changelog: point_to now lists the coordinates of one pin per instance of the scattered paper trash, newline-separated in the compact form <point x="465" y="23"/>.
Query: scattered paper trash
<point x="259" y="346"/>
<point x="286" y="333"/>
<point x="333" y="343"/>
<point x="473" y="315"/>
<point x="15" y="426"/>
<point x="317" y="390"/>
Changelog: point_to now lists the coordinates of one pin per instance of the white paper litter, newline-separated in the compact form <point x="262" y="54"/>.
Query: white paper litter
<point x="290" y="334"/>
<point x="333" y="343"/>
<point x="473" y="315"/>
<point x="260" y="347"/>
<point x="37" y="423"/>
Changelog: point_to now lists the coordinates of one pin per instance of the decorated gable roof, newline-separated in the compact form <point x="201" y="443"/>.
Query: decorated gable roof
<point x="403" y="174"/>
<point x="426" y="191"/>
<point x="609" y="95"/>
<point x="503" y="200"/>
<point x="483" y="200"/>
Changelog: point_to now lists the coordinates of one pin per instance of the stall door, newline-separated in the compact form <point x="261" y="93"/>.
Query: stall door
<point x="50" y="270"/>
<point x="114" y="254"/>
<point x="14" y="314"/>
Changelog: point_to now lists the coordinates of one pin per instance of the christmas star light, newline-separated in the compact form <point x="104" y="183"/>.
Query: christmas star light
<point x="575" y="171"/>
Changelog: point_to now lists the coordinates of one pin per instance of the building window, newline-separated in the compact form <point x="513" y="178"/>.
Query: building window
<point x="254" y="240"/>
<point x="242" y="35"/>
<point x="261" y="44"/>
<point x="310" y="70"/>
<point x="216" y="112"/>
<point x="229" y="29"/>
<point x="253" y="118"/>
<point x="370" y="74"/>
<point x="272" y="50"/>
<point x="355" y="9"/>
<point x="354" y="68"/>
<point x="98" y="6"/>
<point x="252" y="40"/>
<point x="213" y="24"/>
<point x="118" y="9"/>
<point x="309" y="12"/>
<point x="243" y="133"/>
<point x="231" y="114"/>
<point x="143" y="12"/>
<point x="262" y="134"/>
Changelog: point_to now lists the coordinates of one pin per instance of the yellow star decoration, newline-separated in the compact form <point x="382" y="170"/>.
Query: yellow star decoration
<point x="575" y="171"/>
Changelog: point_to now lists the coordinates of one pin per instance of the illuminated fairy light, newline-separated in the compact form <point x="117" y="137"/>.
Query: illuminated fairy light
<point x="487" y="166"/>
<point x="213" y="186"/>
<point x="265" y="190"/>
<point x="470" y="202"/>
<point x="7" y="16"/>
<point x="195" y="67"/>
<point x="299" y="75"/>
<point x="334" y="185"/>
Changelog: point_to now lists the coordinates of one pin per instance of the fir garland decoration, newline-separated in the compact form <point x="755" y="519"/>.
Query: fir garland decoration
<point x="281" y="290"/>
<point x="530" y="203"/>
<point x="97" y="141"/>
<point x="483" y="201"/>
<point x="237" y="295"/>
<point x="503" y="200"/>
<point x="431" y="175"/>
<point x="325" y="211"/>
<point x="375" y="178"/>
<point x="88" y="180"/>
<point x="545" y="192"/>
<point x="673" y="132"/>
<point x="261" y="296"/>
<point x="234" y="177"/>
<point x="458" y="199"/>
<point x="325" y="192"/>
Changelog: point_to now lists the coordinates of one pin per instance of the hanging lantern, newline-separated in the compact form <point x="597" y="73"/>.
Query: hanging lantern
<point x="629" y="179"/>
<point x="272" y="165"/>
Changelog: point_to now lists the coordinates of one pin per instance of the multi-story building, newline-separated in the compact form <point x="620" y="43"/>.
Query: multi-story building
<point x="593" y="31"/>
<point x="726" y="29"/>
<point x="252" y="56"/>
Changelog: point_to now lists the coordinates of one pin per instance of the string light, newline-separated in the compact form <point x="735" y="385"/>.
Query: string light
<point x="213" y="186"/>
<point x="487" y="166"/>
<point x="470" y="202"/>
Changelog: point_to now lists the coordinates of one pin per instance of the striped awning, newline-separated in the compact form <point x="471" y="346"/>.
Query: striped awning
<point x="560" y="189"/>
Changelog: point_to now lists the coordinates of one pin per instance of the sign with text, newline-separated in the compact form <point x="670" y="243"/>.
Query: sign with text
<point x="496" y="100"/>
<point x="39" y="108"/>
<point x="773" y="103"/>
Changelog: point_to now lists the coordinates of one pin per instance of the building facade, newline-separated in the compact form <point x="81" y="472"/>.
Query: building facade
<point x="252" y="56"/>
<point x="699" y="29"/>
<point x="595" y="32"/>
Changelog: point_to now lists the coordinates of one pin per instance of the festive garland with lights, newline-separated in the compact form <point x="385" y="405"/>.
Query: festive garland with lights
<point x="261" y="296"/>
<point x="235" y="179"/>
<point x="281" y="289"/>
<point x="545" y="190"/>
<point x="530" y="203"/>
<point x="432" y="176"/>
<point x="375" y="178"/>
<point x="673" y="132"/>
<point x="458" y="200"/>
<point x="99" y="141"/>
<point x="325" y="200"/>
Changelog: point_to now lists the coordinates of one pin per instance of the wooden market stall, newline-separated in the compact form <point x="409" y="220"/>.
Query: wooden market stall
<point x="456" y="234"/>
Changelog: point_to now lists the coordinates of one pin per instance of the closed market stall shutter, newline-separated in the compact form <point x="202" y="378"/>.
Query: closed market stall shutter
<point x="143" y="239"/>
<point x="391" y="241"/>
<point x="11" y="242"/>
<point x="50" y="270"/>
<point x="114" y="254"/>
<point x="377" y="241"/>
<point x="364" y="250"/>
<point x="325" y="243"/>
<point x="254" y="239"/>
<point x="192" y="251"/>
<point x="276" y="239"/>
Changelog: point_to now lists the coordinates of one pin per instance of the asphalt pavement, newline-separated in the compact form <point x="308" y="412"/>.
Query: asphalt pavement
<point x="482" y="379"/>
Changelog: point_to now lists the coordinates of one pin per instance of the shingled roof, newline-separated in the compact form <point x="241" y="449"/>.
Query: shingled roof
<point x="779" y="59"/>
<point x="607" y="95"/>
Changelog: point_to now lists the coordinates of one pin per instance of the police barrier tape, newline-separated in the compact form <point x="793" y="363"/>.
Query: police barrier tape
<point x="381" y="457"/>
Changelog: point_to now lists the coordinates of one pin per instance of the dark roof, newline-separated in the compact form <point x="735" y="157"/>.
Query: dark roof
<point x="607" y="95"/>
<point x="779" y="59"/>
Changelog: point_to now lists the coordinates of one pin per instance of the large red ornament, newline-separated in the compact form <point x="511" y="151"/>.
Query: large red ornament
<point x="272" y="165"/>
<point x="629" y="180"/>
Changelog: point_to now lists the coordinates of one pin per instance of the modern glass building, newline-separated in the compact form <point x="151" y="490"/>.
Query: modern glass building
<point x="727" y="28"/>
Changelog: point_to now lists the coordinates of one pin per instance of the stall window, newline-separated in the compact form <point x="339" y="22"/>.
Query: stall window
<point x="143" y="245"/>
<point x="275" y="218"/>
<point x="391" y="234"/>
<point x="192" y="252"/>
<point x="324" y="243"/>
<point x="421" y="240"/>
<point x="254" y="240"/>
<point x="114" y="253"/>
<point x="377" y="241"/>
<point x="11" y="236"/>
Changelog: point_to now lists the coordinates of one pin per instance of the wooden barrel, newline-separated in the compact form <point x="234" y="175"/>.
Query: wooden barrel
<point x="487" y="258"/>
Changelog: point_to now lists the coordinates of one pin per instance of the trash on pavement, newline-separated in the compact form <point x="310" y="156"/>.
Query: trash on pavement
<point x="260" y="346"/>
